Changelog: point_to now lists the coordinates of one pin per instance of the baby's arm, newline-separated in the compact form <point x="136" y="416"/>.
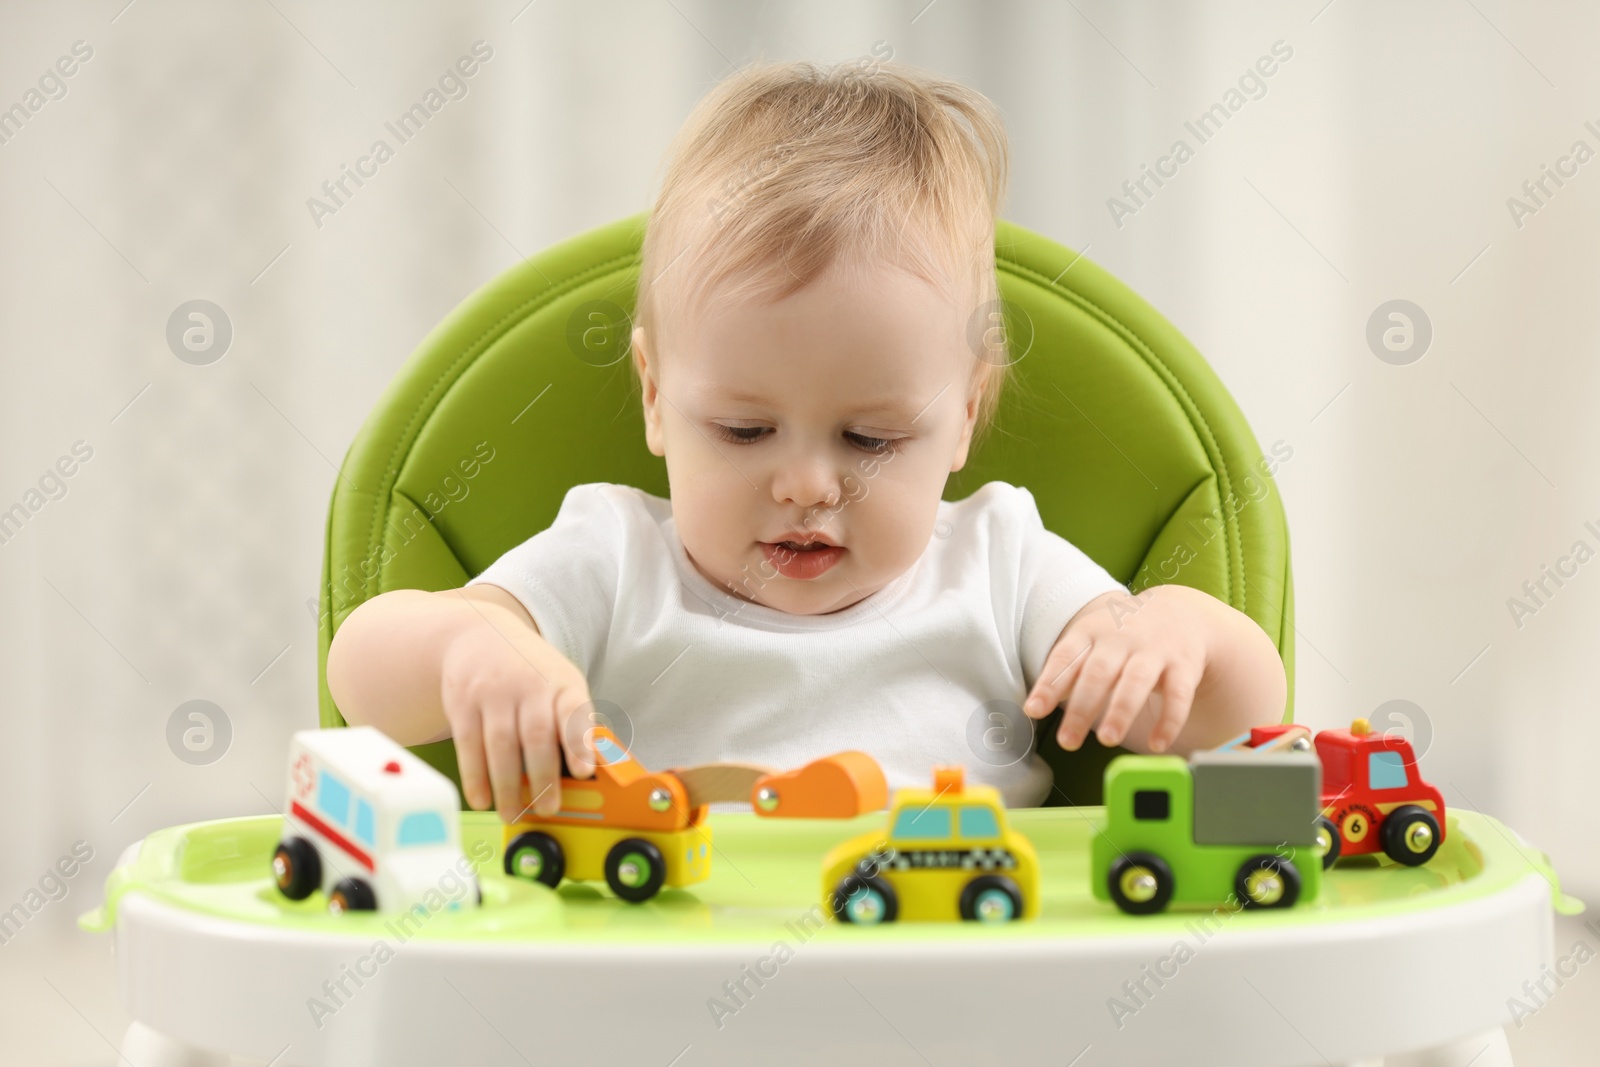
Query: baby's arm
<point x="470" y="664"/>
<point x="1215" y="673"/>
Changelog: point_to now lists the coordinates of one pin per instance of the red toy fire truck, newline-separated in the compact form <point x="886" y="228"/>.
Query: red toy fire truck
<point x="1373" y="798"/>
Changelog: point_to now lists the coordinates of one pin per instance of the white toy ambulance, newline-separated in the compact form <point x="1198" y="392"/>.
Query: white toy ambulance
<point x="371" y="825"/>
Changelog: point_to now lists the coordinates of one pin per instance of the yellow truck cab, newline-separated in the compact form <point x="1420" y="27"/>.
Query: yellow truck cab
<point x="949" y="854"/>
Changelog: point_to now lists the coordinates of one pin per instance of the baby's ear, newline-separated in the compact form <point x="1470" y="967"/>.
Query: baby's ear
<point x="644" y="364"/>
<point x="965" y="442"/>
<point x="640" y="351"/>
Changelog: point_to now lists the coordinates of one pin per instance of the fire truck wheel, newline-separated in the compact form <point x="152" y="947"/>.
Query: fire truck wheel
<point x="865" y="899"/>
<point x="1267" y="882"/>
<point x="1411" y="835"/>
<point x="351" y="894"/>
<point x="990" y="898"/>
<point x="1327" y="841"/>
<point x="1140" y="883"/>
<point x="536" y="856"/>
<point x="635" y="869"/>
<point x="296" y="868"/>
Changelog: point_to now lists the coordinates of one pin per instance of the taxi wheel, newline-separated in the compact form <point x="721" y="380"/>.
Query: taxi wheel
<point x="635" y="869"/>
<point x="536" y="856"/>
<point x="865" y="899"/>
<point x="990" y="898"/>
<point x="1140" y="883"/>
<point x="1326" y="840"/>
<point x="351" y="894"/>
<point x="296" y="868"/>
<point x="1410" y="835"/>
<point x="1267" y="882"/>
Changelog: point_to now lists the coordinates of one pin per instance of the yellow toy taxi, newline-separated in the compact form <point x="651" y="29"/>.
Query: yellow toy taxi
<point x="949" y="855"/>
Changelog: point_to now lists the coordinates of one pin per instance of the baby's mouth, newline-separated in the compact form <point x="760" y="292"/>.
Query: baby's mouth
<point x="801" y="560"/>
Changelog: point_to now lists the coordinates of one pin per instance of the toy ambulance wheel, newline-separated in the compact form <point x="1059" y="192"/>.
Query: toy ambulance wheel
<point x="1325" y="841"/>
<point x="1411" y="835"/>
<point x="1140" y="883"/>
<point x="1267" y="882"/>
<point x="865" y="899"/>
<point x="351" y="894"/>
<point x="536" y="856"/>
<point x="296" y="868"/>
<point x="635" y="869"/>
<point x="990" y="898"/>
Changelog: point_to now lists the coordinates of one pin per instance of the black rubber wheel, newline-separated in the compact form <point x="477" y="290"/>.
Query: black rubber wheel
<point x="1267" y="882"/>
<point x="1327" y="841"/>
<point x="536" y="856"/>
<point x="1140" y="883"/>
<point x="351" y="894"/>
<point x="1411" y="835"/>
<point x="865" y="899"/>
<point x="990" y="898"/>
<point x="296" y="868"/>
<point x="635" y="869"/>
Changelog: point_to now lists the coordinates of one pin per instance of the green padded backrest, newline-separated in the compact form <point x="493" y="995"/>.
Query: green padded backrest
<point x="1131" y="446"/>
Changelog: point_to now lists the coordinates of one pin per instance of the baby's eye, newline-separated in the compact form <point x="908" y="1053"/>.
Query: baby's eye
<point x="876" y="444"/>
<point x="739" y="435"/>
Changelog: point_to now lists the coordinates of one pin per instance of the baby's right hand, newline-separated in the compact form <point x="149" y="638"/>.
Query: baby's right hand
<point x="508" y="700"/>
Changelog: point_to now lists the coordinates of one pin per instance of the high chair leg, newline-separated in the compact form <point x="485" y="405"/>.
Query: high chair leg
<point x="1488" y="1049"/>
<point x="144" y="1047"/>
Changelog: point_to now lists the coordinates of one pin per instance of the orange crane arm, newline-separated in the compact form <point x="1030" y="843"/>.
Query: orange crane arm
<point x="709" y="783"/>
<point x="840" y="786"/>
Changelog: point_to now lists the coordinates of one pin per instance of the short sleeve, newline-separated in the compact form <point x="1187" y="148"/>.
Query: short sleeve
<point x="1056" y="579"/>
<point x="567" y="575"/>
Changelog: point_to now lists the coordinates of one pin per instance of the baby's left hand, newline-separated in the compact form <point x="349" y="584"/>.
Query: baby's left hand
<point x="1118" y="652"/>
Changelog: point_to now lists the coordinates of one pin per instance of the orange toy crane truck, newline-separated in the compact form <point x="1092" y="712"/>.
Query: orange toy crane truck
<point x="640" y="831"/>
<point x="1373" y="798"/>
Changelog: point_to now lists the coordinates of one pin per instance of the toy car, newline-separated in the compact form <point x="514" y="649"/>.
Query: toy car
<point x="1223" y="825"/>
<point x="641" y="831"/>
<point x="949" y="855"/>
<point x="1373" y="797"/>
<point x="371" y="825"/>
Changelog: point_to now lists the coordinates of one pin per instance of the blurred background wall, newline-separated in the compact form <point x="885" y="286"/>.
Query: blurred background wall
<point x="1382" y="160"/>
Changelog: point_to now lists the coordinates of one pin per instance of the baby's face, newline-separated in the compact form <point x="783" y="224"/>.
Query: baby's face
<point x="835" y="414"/>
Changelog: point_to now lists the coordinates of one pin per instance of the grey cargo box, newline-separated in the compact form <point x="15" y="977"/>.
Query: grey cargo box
<point x="1255" y="798"/>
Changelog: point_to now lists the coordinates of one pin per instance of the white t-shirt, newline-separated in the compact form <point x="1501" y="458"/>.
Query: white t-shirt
<point x="932" y="668"/>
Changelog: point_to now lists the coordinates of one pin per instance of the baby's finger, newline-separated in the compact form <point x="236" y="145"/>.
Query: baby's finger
<point x="574" y="712"/>
<point x="505" y="758"/>
<point x="1177" y="687"/>
<point x="1088" y="696"/>
<point x="537" y="730"/>
<point x="1060" y="667"/>
<point x="467" y="730"/>
<point x="1128" y="699"/>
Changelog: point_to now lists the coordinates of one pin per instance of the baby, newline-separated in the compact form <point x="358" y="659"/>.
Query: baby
<point x="820" y="244"/>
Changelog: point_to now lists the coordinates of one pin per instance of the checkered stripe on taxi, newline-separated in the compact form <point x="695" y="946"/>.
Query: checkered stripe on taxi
<point x="971" y="859"/>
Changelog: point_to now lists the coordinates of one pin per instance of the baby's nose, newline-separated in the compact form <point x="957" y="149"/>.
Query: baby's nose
<point x="807" y="480"/>
<point x="808" y="484"/>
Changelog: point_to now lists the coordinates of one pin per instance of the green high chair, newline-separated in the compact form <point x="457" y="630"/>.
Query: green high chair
<point x="1133" y="449"/>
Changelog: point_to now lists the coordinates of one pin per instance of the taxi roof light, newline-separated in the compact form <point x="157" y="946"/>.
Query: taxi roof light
<point x="948" y="778"/>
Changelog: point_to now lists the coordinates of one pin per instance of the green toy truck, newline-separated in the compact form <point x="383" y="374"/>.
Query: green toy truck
<point x="1220" y="827"/>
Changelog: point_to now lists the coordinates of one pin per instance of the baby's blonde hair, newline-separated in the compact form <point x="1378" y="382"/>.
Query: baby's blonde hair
<point x="783" y="168"/>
